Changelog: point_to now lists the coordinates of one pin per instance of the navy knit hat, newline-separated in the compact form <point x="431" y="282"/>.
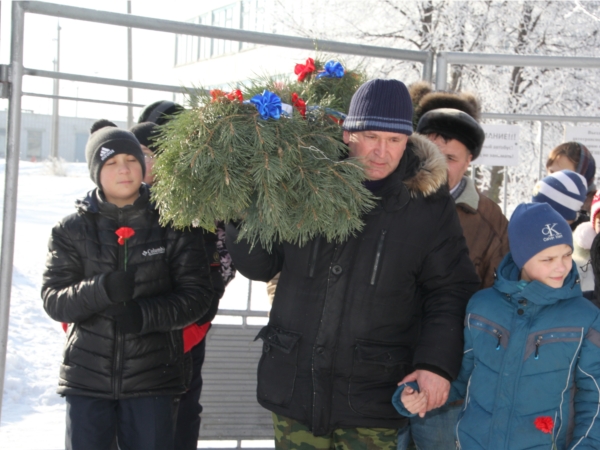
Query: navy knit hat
<point x="454" y="124"/>
<point x="534" y="227"/>
<point x="160" y="112"/>
<point x="107" y="141"/>
<point x="380" y="105"/>
<point x="565" y="191"/>
<point x="587" y="164"/>
<point x="144" y="133"/>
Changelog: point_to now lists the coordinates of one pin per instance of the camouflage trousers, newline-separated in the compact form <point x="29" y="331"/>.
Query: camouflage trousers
<point x="292" y="435"/>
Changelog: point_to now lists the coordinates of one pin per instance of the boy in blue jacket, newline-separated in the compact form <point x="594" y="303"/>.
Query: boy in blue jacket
<point x="530" y="374"/>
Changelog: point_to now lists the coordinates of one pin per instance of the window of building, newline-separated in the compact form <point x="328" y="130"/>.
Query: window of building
<point x="34" y="144"/>
<point x="244" y="14"/>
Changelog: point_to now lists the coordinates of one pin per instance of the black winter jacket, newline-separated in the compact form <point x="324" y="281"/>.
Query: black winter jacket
<point x="350" y="320"/>
<point x="172" y="287"/>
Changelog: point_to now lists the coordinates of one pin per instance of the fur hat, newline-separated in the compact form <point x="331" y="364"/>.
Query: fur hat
<point x="160" y="112"/>
<point x="454" y="124"/>
<point x="425" y="99"/>
<point x="380" y="105"/>
<point x="106" y="141"/>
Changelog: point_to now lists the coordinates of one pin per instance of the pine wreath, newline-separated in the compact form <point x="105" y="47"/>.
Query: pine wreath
<point x="282" y="168"/>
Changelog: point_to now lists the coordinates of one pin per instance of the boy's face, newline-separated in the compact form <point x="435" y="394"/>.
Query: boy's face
<point x="550" y="266"/>
<point x="149" y="158"/>
<point x="121" y="178"/>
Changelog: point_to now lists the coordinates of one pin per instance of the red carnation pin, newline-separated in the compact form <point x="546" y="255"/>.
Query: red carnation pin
<point x="124" y="234"/>
<point x="546" y="425"/>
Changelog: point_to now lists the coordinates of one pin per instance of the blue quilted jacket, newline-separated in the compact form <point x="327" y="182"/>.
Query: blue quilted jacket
<point x="530" y="351"/>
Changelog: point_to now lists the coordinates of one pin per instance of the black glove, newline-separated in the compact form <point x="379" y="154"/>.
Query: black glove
<point x="128" y="316"/>
<point x="119" y="285"/>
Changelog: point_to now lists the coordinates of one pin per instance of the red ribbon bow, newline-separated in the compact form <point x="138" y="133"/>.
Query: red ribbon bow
<point x="304" y="69"/>
<point x="236" y="94"/>
<point x="299" y="104"/>
<point x="218" y="94"/>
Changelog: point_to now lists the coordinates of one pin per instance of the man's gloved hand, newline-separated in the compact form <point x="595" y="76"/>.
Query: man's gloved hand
<point x="119" y="285"/>
<point x="128" y="316"/>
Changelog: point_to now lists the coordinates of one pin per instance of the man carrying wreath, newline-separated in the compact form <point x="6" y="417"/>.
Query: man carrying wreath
<point x="352" y="319"/>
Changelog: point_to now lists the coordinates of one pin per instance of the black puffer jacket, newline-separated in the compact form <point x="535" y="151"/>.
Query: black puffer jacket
<point x="172" y="287"/>
<point x="349" y="321"/>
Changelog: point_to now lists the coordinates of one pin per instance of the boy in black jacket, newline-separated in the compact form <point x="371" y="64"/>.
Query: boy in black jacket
<point x="126" y="301"/>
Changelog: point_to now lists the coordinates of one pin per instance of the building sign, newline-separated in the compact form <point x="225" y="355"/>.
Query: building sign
<point x="501" y="146"/>
<point x="588" y="136"/>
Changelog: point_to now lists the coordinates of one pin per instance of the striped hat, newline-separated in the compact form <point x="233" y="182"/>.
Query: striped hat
<point x="565" y="191"/>
<point x="380" y="105"/>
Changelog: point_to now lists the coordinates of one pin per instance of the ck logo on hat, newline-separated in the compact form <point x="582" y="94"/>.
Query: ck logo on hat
<point x="105" y="153"/>
<point x="550" y="232"/>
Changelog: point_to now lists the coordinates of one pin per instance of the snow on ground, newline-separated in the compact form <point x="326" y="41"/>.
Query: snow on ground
<point x="32" y="412"/>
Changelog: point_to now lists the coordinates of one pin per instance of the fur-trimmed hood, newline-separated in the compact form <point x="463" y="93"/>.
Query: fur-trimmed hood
<point x="431" y="173"/>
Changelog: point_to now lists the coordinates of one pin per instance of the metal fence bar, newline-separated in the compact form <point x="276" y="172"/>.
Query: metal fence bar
<point x="170" y="26"/>
<point x="11" y="182"/>
<point x="81" y="99"/>
<point x="540" y="117"/>
<point x="446" y="58"/>
<point x="106" y="81"/>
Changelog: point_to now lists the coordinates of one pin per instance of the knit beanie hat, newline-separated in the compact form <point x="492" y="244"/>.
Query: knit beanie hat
<point x="144" y="133"/>
<point x="565" y="191"/>
<point x="534" y="227"/>
<point x="159" y="112"/>
<point x="455" y="124"/>
<point x="587" y="164"/>
<point x="106" y="141"/>
<point x="380" y="105"/>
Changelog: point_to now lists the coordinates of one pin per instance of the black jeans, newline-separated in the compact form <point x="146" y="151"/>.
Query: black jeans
<point x="188" y="415"/>
<point x="144" y="423"/>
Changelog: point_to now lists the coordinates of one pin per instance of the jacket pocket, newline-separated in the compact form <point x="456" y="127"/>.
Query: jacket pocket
<point x="278" y="365"/>
<point x="376" y="370"/>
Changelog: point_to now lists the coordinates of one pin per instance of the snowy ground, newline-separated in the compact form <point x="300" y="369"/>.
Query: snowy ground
<point x="32" y="412"/>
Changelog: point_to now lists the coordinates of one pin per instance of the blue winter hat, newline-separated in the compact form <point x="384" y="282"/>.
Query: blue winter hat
<point x="534" y="227"/>
<point x="381" y="105"/>
<point x="565" y="191"/>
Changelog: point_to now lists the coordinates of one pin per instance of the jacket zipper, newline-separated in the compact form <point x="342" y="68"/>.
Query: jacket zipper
<point x="313" y="259"/>
<point x="537" y="347"/>
<point x="378" y="256"/>
<point x="118" y="335"/>
<point x="490" y="330"/>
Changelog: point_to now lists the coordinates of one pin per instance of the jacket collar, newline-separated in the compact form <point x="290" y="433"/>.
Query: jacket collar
<point x="508" y="282"/>
<point x="95" y="202"/>
<point x="422" y="172"/>
<point x="469" y="199"/>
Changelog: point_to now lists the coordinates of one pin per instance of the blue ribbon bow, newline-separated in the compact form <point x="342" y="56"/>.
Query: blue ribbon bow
<point x="332" y="69"/>
<point x="267" y="104"/>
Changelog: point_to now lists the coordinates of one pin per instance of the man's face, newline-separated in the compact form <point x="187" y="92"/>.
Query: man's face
<point x="379" y="151"/>
<point x="457" y="155"/>
<point x="550" y="266"/>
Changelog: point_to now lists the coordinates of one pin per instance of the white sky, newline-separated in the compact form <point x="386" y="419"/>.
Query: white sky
<point x="97" y="50"/>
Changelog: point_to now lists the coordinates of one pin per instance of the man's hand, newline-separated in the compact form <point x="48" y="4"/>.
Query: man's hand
<point x="436" y="387"/>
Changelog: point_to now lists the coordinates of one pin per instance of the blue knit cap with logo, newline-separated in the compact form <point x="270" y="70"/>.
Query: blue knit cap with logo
<point x="565" y="191"/>
<point x="534" y="227"/>
<point x="381" y="105"/>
